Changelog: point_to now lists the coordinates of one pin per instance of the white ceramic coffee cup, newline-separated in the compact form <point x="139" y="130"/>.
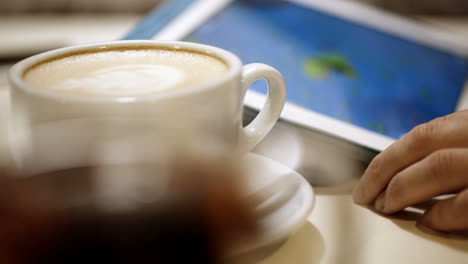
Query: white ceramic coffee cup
<point x="51" y="130"/>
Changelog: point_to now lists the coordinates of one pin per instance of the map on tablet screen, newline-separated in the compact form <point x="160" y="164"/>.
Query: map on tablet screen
<point x="344" y="70"/>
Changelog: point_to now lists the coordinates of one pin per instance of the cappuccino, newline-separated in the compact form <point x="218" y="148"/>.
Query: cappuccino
<point x="125" y="72"/>
<point x="170" y="93"/>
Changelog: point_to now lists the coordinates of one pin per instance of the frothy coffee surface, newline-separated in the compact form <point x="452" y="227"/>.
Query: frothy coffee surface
<point x="117" y="73"/>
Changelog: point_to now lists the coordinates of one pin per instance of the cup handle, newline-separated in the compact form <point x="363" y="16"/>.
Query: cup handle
<point x="252" y="134"/>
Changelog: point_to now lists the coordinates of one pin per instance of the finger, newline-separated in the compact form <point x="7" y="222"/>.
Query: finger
<point x="441" y="172"/>
<point x="449" y="215"/>
<point x="445" y="132"/>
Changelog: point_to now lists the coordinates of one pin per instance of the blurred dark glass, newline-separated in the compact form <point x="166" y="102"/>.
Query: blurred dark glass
<point x="62" y="217"/>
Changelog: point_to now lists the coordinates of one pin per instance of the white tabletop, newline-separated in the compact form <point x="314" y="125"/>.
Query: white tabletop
<point x="340" y="232"/>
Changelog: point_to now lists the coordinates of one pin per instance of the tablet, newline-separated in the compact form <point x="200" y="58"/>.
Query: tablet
<point x="353" y="72"/>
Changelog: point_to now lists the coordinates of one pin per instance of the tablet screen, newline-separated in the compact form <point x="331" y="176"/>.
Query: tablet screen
<point x="344" y="70"/>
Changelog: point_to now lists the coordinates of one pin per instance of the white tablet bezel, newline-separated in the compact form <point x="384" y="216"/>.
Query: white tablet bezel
<point x="199" y="12"/>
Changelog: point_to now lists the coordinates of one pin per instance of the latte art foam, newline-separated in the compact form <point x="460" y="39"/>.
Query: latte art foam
<point x="126" y="72"/>
<point x="122" y="80"/>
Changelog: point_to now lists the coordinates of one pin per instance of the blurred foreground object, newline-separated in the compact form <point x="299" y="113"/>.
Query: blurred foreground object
<point x="433" y="7"/>
<point x="189" y="211"/>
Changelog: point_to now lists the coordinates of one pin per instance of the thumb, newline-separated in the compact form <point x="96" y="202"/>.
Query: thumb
<point x="450" y="214"/>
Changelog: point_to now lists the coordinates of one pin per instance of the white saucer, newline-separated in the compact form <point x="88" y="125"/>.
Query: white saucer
<point x="287" y="201"/>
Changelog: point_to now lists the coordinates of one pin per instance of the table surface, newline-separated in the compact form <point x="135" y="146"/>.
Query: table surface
<point x="338" y="231"/>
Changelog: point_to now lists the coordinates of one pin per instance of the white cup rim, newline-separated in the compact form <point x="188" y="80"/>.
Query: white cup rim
<point x="233" y="62"/>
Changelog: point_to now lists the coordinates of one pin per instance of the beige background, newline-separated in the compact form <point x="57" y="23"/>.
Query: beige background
<point x="459" y="7"/>
<point x="76" y="5"/>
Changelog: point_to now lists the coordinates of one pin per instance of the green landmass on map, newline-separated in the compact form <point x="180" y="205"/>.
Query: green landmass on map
<point x="343" y="117"/>
<point x="354" y="91"/>
<point x="378" y="127"/>
<point x="425" y="94"/>
<point x="320" y="66"/>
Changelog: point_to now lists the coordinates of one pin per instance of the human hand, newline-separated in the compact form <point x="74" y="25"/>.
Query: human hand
<point x="429" y="161"/>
